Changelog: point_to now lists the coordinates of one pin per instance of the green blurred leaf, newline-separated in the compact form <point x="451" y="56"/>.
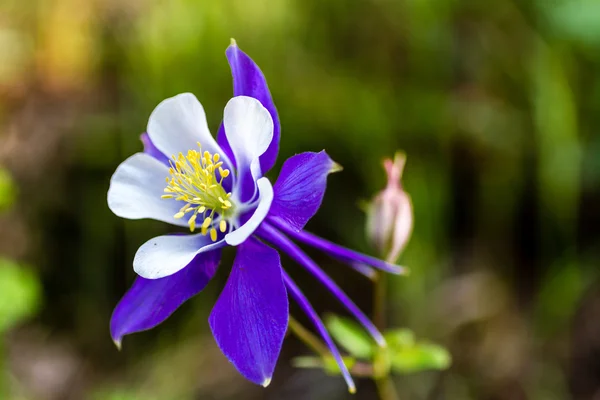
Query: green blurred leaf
<point x="576" y="19"/>
<point x="350" y="336"/>
<point x="399" y="338"/>
<point x="7" y="190"/>
<point x="331" y="366"/>
<point x="568" y="282"/>
<point x="19" y="293"/>
<point x="558" y="139"/>
<point x="120" y="394"/>
<point x="421" y="357"/>
<point x="382" y="363"/>
<point x="307" y="362"/>
<point x="328" y="364"/>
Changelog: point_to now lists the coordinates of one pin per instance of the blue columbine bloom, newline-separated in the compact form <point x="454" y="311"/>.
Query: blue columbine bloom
<point x="186" y="178"/>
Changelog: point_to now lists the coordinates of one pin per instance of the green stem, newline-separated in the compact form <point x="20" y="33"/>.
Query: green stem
<point x="386" y="388"/>
<point x="3" y="373"/>
<point x="384" y="382"/>
<point x="308" y="338"/>
<point x="379" y="301"/>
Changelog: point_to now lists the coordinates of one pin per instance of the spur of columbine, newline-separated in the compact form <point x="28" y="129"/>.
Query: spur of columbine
<point x="216" y="188"/>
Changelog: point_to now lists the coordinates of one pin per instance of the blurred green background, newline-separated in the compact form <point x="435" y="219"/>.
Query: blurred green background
<point x="496" y="103"/>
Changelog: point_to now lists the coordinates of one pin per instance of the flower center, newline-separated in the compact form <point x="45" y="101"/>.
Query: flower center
<point x="197" y="180"/>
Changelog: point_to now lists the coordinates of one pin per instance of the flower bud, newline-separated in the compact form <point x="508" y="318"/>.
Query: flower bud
<point x="390" y="214"/>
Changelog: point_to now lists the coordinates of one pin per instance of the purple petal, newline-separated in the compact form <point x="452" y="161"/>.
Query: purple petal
<point x="248" y="80"/>
<point x="151" y="301"/>
<point x="337" y="251"/>
<point x="250" y="317"/>
<point x="300" y="188"/>
<point x="312" y="315"/>
<point x="150" y="149"/>
<point x="280" y="241"/>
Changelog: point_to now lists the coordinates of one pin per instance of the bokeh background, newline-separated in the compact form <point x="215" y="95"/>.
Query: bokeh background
<point x="496" y="103"/>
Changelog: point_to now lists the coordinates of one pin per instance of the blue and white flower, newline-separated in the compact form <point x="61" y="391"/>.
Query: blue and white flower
<point x="217" y="190"/>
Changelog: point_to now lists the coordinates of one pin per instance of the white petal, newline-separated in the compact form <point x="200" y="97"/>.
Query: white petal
<point x="165" y="255"/>
<point x="249" y="129"/>
<point x="136" y="188"/>
<point x="178" y="123"/>
<point x="265" y="193"/>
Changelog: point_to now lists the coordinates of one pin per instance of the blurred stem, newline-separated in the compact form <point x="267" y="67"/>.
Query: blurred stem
<point x="307" y="337"/>
<point x="386" y="388"/>
<point x="384" y="383"/>
<point x="379" y="301"/>
<point x="3" y="374"/>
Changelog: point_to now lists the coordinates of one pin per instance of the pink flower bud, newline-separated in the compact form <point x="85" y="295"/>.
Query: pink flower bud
<point x="390" y="214"/>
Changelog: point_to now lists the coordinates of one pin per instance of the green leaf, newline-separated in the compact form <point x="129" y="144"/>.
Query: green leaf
<point x="7" y="190"/>
<point x="399" y="338"/>
<point x="421" y="357"/>
<point x="350" y="336"/>
<point x="307" y="362"/>
<point x="332" y="368"/>
<point x="19" y="293"/>
<point x="328" y="363"/>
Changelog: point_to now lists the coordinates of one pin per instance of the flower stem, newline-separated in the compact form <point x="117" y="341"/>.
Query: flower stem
<point x="379" y="301"/>
<point x="386" y="388"/>
<point x="307" y="337"/>
<point x="384" y="382"/>
<point x="4" y="387"/>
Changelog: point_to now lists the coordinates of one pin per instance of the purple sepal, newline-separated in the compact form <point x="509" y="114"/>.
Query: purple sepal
<point x="151" y="301"/>
<point x="337" y="251"/>
<point x="281" y="242"/>
<point x="250" y="317"/>
<point x="310" y="312"/>
<point x="150" y="149"/>
<point x="248" y="80"/>
<point x="300" y="188"/>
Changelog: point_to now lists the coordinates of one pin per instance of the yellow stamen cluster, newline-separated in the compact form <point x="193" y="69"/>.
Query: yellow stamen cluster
<point x="193" y="180"/>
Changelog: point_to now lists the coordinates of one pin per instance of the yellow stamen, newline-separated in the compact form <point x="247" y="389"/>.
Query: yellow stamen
<point x="192" y="222"/>
<point x="213" y="234"/>
<point x="222" y="226"/>
<point x="193" y="180"/>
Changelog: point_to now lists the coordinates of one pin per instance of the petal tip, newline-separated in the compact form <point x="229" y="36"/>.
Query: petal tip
<point x="118" y="344"/>
<point x="335" y="167"/>
<point x="398" y="269"/>
<point x="232" y="42"/>
<point x="352" y="389"/>
<point x="266" y="382"/>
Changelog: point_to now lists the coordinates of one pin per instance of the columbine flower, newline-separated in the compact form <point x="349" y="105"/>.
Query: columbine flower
<point x="217" y="190"/>
<point x="390" y="214"/>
